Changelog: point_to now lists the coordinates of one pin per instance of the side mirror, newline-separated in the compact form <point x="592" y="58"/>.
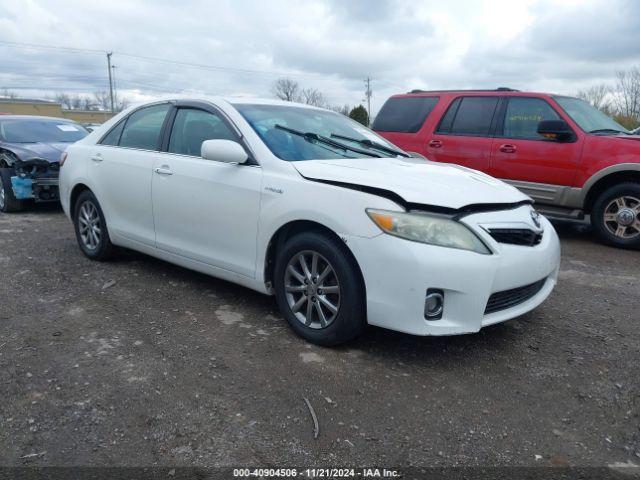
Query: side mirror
<point x="556" y="130"/>
<point x="225" y="151"/>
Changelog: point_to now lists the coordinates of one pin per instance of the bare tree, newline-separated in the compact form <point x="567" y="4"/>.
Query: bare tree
<point x="102" y="100"/>
<point x="344" y="109"/>
<point x="122" y="104"/>
<point x="598" y="96"/>
<point x="6" y="93"/>
<point x="64" y="100"/>
<point x="286" y="89"/>
<point x="627" y="93"/>
<point x="312" y="96"/>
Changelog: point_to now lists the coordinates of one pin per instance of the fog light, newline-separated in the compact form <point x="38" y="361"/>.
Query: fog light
<point x="433" y="304"/>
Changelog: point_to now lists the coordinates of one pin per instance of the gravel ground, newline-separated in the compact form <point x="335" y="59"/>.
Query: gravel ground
<point x="138" y="362"/>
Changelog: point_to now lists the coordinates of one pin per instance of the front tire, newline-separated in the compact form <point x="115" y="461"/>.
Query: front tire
<point x="91" y="228"/>
<point x="616" y="215"/>
<point x="319" y="289"/>
<point x="8" y="202"/>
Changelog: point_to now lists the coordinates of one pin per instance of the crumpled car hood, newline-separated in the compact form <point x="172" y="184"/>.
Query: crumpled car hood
<point x="416" y="181"/>
<point x="46" y="151"/>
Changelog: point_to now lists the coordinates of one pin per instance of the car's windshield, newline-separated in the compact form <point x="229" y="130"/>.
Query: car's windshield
<point x="589" y="118"/>
<point x="27" y="130"/>
<point x="280" y="128"/>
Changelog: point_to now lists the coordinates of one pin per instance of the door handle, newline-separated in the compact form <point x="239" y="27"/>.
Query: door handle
<point x="163" y="171"/>
<point x="508" y="148"/>
<point x="97" y="157"/>
<point x="435" y="144"/>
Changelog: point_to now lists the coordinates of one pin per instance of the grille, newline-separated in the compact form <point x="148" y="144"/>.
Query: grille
<point x="510" y="298"/>
<point x="516" y="236"/>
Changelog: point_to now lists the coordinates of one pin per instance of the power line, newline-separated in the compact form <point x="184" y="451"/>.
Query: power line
<point x="174" y="62"/>
<point x="158" y="60"/>
<point x="37" y="46"/>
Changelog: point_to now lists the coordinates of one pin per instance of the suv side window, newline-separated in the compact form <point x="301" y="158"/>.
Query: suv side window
<point x="404" y="114"/>
<point x="469" y="116"/>
<point x="522" y="116"/>
<point x="143" y="127"/>
<point x="192" y="126"/>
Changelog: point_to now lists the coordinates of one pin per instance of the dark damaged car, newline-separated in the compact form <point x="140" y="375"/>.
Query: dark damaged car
<point x="30" y="149"/>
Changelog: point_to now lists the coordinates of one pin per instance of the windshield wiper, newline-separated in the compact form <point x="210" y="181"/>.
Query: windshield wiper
<point x="371" y="144"/>
<point x="309" y="136"/>
<point x="608" y="130"/>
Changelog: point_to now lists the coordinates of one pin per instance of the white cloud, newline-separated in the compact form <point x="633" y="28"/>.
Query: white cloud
<point x="331" y="45"/>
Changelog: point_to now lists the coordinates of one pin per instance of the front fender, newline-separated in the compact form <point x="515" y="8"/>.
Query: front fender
<point x="336" y="208"/>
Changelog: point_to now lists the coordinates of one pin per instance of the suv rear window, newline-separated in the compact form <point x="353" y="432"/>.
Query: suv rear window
<point x="404" y="114"/>
<point x="469" y="116"/>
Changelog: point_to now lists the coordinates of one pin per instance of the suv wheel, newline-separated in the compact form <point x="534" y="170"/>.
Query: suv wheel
<point x="319" y="289"/>
<point x="91" y="227"/>
<point x="616" y="215"/>
<point x="8" y="201"/>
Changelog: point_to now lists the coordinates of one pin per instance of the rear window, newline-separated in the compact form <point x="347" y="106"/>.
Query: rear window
<point x="38" y="130"/>
<point x="404" y="114"/>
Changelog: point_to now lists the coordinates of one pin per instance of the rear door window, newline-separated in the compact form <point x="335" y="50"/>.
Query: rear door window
<point x="113" y="137"/>
<point x="404" y="114"/>
<point x="469" y="116"/>
<point x="143" y="127"/>
<point x="523" y="115"/>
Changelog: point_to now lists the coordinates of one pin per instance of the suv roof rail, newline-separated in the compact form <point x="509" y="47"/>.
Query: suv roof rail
<point x="499" y="89"/>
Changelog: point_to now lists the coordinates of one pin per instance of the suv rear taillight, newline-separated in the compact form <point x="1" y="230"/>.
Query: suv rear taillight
<point x="63" y="158"/>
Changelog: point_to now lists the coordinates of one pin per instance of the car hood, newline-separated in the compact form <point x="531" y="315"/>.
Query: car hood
<point x="29" y="151"/>
<point x="415" y="180"/>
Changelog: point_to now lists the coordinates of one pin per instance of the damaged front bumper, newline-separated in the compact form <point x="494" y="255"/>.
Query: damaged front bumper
<point x="36" y="180"/>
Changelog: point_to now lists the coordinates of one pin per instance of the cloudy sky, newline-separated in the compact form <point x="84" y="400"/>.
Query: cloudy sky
<point x="240" y="47"/>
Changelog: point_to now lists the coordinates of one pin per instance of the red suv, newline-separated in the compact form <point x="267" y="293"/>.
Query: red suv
<point x="572" y="159"/>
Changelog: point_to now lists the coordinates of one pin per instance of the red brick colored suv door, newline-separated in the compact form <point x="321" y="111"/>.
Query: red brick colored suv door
<point x="463" y="136"/>
<point x="520" y="153"/>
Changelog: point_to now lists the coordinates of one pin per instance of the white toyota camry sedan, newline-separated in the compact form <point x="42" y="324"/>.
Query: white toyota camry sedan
<point x="305" y="204"/>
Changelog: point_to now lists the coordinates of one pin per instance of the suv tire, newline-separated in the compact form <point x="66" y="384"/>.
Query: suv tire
<point x="616" y="215"/>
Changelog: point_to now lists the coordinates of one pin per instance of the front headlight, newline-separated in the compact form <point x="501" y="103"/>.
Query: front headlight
<point x="425" y="228"/>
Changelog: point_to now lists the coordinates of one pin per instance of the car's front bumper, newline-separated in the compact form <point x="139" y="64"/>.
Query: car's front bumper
<point x="36" y="180"/>
<point x="398" y="273"/>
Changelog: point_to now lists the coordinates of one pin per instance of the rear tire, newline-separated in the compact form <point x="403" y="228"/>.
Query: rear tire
<point x="319" y="289"/>
<point x="616" y="215"/>
<point x="8" y="202"/>
<point x="91" y="228"/>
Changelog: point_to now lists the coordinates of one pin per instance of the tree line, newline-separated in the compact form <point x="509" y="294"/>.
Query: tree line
<point x="621" y="101"/>
<point x="96" y="102"/>
<point x="291" y="91"/>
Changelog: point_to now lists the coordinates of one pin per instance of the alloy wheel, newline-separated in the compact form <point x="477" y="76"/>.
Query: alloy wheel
<point x="89" y="225"/>
<point x="312" y="289"/>
<point x="2" y="196"/>
<point x="622" y="217"/>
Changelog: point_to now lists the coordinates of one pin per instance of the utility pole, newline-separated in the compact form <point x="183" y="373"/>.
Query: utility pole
<point x="110" y="78"/>
<point x="368" y="94"/>
<point x="115" y="86"/>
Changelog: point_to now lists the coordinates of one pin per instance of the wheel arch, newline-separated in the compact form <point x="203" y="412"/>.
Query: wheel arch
<point x="286" y="231"/>
<point x="607" y="180"/>
<point x="6" y="160"/>
<point x="75" y="193"/>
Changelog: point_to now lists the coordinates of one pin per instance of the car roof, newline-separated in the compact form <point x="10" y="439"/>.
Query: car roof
<point x="502" y="91"/>
<point x="232" y="100"/>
